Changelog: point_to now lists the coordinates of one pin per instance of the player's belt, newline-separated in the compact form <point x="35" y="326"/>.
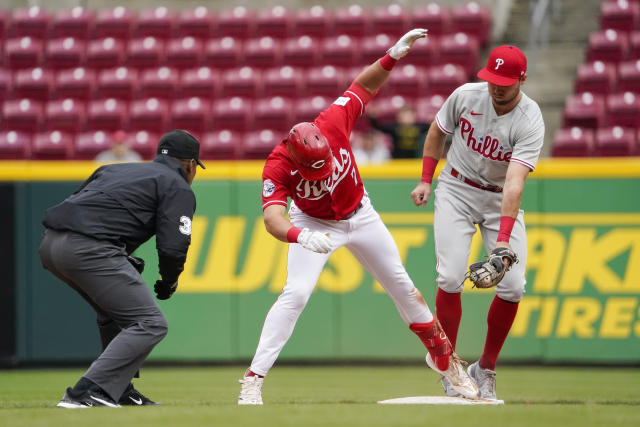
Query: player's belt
<point x="493" y="188"/>
<point x="353" y="212"/>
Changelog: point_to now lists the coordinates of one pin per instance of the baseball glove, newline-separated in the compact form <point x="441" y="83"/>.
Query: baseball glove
<point x="487" y="274"/>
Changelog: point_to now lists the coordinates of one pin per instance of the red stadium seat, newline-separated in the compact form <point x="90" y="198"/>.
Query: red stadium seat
<point x="184" y="53"/>
<point x="147" y="52"/>
<point x="407" y="80"/>
<point x="106" y="114"/>
<point x="307" y="109"/>
<point x="223" y="53"/>
<point x="221" y="144"/>
<point x="238" y="22"/>
<point x="263" y="52"/>
<point x="573" y="142"/>
<point x="5" y="83"/>
<point x="76" y="83"/>
<point x="191" y="114"/>
<point x="353" y="20"/>
<point x="444" y="79"/>
<point x="584" y="110"/>
<point x="433" y="17"/>
<point x="75" y="22"/>
<point x="5" y="17"/>
<point x="34" y="83"/>
<point x="629" y="76"/>
<point x="634" y="45"/>
<point x="303" y="51"/>
<point x="326" y="80"/>
<point x="232" y="113"/>
<point x="32" y="21"/>
<point x="145" y="143"/>
<point x="386" y="107"/>
<point x="392" y="20"/>
<point x="474" y="20"/>
<point x="65" y="53"/>
<point x="198" y="22"/>
<point x="52" y="145"/>
<point x="424" y="53"/>
<point x="117" y="23"/>
<point x="596" y="77"/>
<point x="24" y="52"/>
<point x="273" y="113"/>
<point x="159" y="23"/>
<point x="283" y="81"/>
<point x="340" y="51"/>
<point x="201" y="82"/>
<point x="258" y="144"/>
<point x="118" y="83"/>
<point x="623" y="109"/>
<point x="373" y="48"/>
<point x="608" y="46"/>
<point x="615" y="142"/>
<point x="22" y="114"/>
<point x="160" y="82"/>
<point x="427" y="108"/>
<point x="315" y="21"/>
<point x="150" y="114"/>
<point x="105" y="53"/>
<point x="15" y="145"/>
<point x="619" y="15"/>
<point x="276" y="22"/>
<point x="243" y="82"/>
<point x="460" y="49"/>
<point x="89" y="144"/>
<point x="64" y="114"/>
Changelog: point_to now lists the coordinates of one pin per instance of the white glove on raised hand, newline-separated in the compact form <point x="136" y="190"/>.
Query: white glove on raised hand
<point x="402" y="46"/>
<point x="315" y="241"/>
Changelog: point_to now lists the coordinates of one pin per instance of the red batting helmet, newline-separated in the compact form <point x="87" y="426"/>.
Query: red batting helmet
<point x="310" y="151"/>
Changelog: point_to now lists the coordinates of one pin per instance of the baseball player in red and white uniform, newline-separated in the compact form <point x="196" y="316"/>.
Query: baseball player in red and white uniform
<point x="497" y="134"/>
<point x="315" y="168"/>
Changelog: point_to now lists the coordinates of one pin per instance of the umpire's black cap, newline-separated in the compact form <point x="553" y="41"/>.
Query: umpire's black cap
<point x="181" y="145"/>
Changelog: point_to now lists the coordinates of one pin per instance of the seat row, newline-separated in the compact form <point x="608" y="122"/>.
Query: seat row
<point x="616" y="141"/>
<point x="602" y="78"/>
<point x="591" y="111"/>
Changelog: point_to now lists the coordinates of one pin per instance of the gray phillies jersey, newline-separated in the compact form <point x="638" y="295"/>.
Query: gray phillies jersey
<point x="483" y="142"/>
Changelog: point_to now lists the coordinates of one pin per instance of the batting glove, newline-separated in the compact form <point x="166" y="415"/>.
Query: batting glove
<point x="164" y="290"/>
<point x="401" y="48"/>
<point x="315" y="241"/>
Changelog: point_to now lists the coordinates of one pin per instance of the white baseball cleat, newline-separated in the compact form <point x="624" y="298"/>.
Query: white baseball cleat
<point x="251" y="391"/>
<point x="448" y="389"/>
<point x="486" y="380"/>
<point x="457" y="377"/>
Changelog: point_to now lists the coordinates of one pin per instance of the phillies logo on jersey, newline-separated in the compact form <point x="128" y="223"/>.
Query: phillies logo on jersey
<point x="314" y="190"/>
<point x="489" y="148"/>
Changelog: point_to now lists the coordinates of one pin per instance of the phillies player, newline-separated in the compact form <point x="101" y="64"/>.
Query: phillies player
<point x="314" y="167"/>
<point x="497" y="135"/>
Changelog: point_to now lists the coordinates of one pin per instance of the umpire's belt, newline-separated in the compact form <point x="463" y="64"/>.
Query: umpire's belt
<point x="493" y="188"/>
<point x="353" y="212"/>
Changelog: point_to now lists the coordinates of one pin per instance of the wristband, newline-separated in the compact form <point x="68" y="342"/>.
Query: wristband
<point x="506" y="225"/>
<point x="387" y="62"/>
<point x="428" y="168"/>
<point x="292" y="234"/>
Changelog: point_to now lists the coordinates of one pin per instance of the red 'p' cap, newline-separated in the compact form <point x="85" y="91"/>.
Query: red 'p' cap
<point x="505" y="66"/>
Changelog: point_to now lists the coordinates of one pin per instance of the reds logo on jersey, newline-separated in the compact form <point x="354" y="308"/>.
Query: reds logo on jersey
<point x="314" y="190"/>
<point x="490" y="148"/>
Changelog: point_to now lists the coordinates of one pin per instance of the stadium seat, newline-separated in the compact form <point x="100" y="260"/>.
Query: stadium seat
<point x="159" y="23"/>
<point x="198" y="22"/>
<point x="160" y="82"/>
<point x="444" y="79"/>
<point x="147" y="52"/>
<point x="263" y="52"/>
<point x="608" y="46"/>
<point x="259" y="143"/>
<point x="584" y="110"/>
<point x="596" y="77"/>
<point x="5" y="17"/>
<point x="283" y="81"/>
<point x="573" y="142"/>
<point x="373" y="48"/>
<point x="89" y="144"/>
<point x="326" y="80"/>
<point x="424" y="53"/>
<point x="77" y="83"/>
<point x="201" y="82"/>
<point x="75" y="22"/>
<point x="185" y="52"/>
<point x="634" y="44"/>
<point x="15" y="145"/>
<point x="629" y="76"/>
<point x="428" y="107"/>
<point x="243" y="82"/>
<point x="32" y="21"/>
<point x="62" y="53"/>
<point x="64" y="114"/>
<point x="273" y="113"/>
<point x="315" y="21"/>
<point x="303" y="51"/>
<point x="118" y="83"/>
<point x="340" y="51"/>
<point x="24" y="52"/>
<point x="105" y="53"/>
<point x="392" y="20"/>
<point x="353" y="20"/>
<point x="191" y="114"/>
<point x="384" y="108"/>
<point x="615" y="142"/>
<point x="151" y="114"/>
<point x="238" y="22"/>
<point x="433" y="17"/>
<point x="619" y="15"/>
<point x="407" y="80"/>
<point x="33" y="84"/>
<point x="225" y="52"/>
<point x="145" y="143"/>
<point x="221" y="144"/>
<point x="474" y="20"/>
<point x="276" y="22"/>
<point x="5" y="83"/>
<point x="52" y="145"/>
<point x="22" y="114"/>
<point x="232" y="113"/>
<point x="623" y="109"/>
<point x="461" y="49"/>
<point x="307" y="109"/>
<point x="106" y="114"/>
<point x="117" y="23"/>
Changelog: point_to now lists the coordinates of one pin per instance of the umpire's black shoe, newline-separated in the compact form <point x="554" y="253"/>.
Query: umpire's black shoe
<point x="90" y="398"/>
<point x="132" y="397"/>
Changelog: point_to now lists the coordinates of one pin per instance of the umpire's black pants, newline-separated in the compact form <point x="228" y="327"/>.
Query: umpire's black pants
<point x="100" y="273"/>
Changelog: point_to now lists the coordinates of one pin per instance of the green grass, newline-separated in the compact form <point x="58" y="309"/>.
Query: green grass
<point x="333" y="396"/>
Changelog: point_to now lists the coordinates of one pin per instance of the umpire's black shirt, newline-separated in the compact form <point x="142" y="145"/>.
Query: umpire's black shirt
<point x="127" y="203"/>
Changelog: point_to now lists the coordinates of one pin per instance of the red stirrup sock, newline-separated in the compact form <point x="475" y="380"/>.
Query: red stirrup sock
<point x="449" y="311"/>
<point x="253" y="374"/>
<point x="500" y="318"/>
<point x="435" y="341"/>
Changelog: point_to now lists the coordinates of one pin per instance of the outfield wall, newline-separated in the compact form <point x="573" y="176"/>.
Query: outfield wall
<point x="583" y="219"/>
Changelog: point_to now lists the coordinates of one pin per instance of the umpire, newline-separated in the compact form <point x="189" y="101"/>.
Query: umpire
<point x="87" y="244"/>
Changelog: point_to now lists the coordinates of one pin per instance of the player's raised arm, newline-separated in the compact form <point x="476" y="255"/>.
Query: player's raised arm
<point x="374" y="76"/>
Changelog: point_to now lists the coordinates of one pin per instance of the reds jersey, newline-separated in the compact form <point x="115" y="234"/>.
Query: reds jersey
<point x="339" y="194"/>
<point x="483" y="142"/>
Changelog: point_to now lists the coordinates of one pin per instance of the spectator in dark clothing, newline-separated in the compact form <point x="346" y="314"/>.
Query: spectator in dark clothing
<point x="406" y="133"/>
